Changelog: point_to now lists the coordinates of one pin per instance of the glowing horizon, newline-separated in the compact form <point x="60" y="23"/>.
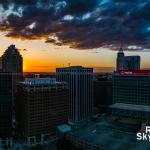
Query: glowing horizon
<point x="58" y="33"/>
<point x="41" y="57"/>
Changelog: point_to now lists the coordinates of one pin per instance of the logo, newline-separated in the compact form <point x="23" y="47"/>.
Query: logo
<point x="144" y="136"/>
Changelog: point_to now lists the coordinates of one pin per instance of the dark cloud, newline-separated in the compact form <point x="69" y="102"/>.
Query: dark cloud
<point x="81" y="24"/>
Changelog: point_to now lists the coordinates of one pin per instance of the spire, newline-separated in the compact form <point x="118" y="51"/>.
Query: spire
<point x="121" y="50"/>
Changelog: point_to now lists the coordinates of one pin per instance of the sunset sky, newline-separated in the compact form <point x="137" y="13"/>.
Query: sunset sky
<point x="54" y="33"/>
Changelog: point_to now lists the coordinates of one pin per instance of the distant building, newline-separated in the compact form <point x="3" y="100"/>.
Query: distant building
<point x="127" y="62"/>
<point x="102" y="94"/>
<point x="80" y="81"/>
<point x="131" y="95"/>
<point x="42" y="104"/>
<point x="6" y="100"/>
<point x="11" y="61"/>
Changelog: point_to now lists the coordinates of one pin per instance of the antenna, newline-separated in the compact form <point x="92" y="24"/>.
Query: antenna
<point x="69" y="64"/>
<point x="121" y="49"/>
<point x="121" y="46"/>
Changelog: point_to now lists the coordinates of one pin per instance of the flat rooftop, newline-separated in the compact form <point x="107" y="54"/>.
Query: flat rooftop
<point x="111" y="135"/>
<point x="75" y="68"/>
<point x="142" y="108"/>
<point x="40" y="81"/>
<point x="64" y="128"/>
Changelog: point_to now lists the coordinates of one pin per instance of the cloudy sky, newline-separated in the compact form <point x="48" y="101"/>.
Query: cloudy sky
<point x="53" y="33"/>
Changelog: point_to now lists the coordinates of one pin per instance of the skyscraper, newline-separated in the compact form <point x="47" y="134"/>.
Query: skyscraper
<point x="41" y="105"/>
<point x="6" y="98"/>
<point x="12" y="61"/>
<point x="80" y="81"/>
<point x="127" y="62"/>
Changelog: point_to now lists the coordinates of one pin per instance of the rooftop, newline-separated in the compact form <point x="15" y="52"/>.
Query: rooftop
<point x="12" y="50"/>
<point x="111" y="135"/>
<point x="40" y="81"/>
<point x="142" y="108"/>
<point x="75" y="67"/>
<point x="64" y="128"/>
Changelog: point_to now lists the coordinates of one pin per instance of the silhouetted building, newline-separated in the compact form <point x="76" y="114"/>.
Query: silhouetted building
<point x="6" y="99"/>
<point x="12" y="61"/>
<point x="102" y="94"/>
<point x="131" y="94"/>
<point x="42" y="104"/>
<point x="127" y="62"/>
<point x="80" y="81"/>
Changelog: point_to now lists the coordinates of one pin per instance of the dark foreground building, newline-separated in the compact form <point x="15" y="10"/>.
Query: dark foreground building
<point x="6" y="99"/>
<point x="41" y="105"/>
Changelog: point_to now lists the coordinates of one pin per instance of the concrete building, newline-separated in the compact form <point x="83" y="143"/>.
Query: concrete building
<point x="127" y="62"/>
<point x="131" y="95"/>
<point x="80" y="81"/>
<point x="6" y="100"/>
<point x="42" y="104"/>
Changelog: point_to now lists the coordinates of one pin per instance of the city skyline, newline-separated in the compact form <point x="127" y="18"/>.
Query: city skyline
<point x="50" y="57"/>
<point x="74" y="74"/>
<point x="77" y="32"/>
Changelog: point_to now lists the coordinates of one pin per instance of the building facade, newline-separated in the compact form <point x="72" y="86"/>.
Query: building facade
<point x="131" y="94"/>
<point x="127" y="62"/>
<point x="41" y="105"/>
<point x="80" y="82"/>
<point x="6" y="99"/>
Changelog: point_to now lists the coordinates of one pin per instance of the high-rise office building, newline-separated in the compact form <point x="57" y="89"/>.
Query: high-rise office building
<point x="6" y="98"/>
<point x="80" y="81"/>
<point x="131" y="94"/>
<point x="11" y="61"/>
<point x="41" y="105"/>
<point x="127" y="62"/>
